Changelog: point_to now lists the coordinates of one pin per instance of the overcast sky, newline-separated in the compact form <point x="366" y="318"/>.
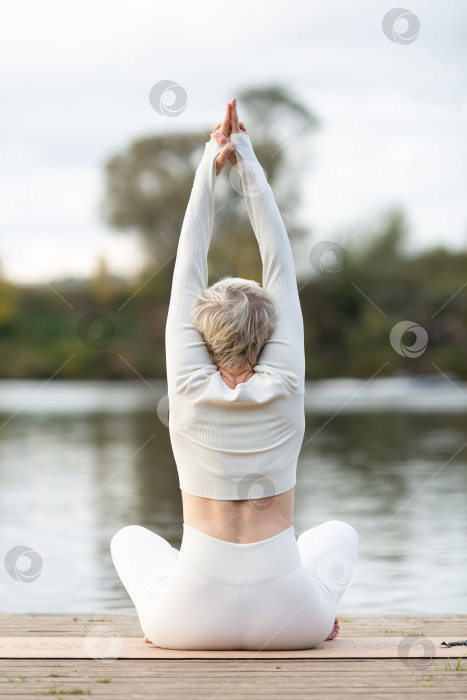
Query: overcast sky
<point x="75" y="83"/>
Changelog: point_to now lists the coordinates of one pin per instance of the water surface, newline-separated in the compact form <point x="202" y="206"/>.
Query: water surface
<point x="79" y="460"/>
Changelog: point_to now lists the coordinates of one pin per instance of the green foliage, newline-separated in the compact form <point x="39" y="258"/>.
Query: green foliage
<point x="347" y="317"/>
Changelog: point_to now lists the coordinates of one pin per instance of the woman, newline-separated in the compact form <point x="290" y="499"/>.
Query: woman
<point x="235" y="373"/>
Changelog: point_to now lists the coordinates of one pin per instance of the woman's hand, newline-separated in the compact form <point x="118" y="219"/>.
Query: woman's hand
<point x="236" y="126"/>
<point x="221" y="134"/>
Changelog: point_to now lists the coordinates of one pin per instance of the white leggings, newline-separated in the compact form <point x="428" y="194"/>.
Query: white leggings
<point x="278" y="593"/>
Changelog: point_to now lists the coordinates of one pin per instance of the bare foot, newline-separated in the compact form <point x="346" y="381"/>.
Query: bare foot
<point x="147" y="640"/>
<point x="335" y="630"/>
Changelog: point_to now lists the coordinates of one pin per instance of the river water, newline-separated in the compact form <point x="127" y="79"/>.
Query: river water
<point x="79" y="460"/>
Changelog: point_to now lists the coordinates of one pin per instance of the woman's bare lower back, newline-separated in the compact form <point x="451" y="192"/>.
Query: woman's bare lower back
<point x="241" y="521"/>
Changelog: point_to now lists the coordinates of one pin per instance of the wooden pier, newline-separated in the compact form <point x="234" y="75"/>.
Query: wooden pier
<point x="377" y="657"/>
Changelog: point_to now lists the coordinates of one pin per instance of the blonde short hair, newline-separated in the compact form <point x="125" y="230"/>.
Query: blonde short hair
<point x="236" y="317"/>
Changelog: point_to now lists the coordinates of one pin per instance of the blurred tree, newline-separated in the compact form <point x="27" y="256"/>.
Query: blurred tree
<point x="8" y="302"/>
<point x="348" y="316"/>
<point x="148" y="186"/>
<point x="102" y="282"/>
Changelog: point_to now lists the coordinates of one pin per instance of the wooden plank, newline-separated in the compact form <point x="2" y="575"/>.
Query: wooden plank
<point x="351" y="625"/>
<point x="236" y="678"/>
<point x="303" y="679"/>
<point x="117" y="647"/>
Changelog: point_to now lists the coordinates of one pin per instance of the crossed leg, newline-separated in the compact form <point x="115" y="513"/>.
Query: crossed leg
<point x="329" y="552"/>
<point x="143" y="561"/>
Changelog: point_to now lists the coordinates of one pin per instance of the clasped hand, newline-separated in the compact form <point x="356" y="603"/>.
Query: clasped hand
<point x="221" y="133"/>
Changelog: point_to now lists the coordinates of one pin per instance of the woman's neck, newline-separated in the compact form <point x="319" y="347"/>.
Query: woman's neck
<point x="238" y="376"/>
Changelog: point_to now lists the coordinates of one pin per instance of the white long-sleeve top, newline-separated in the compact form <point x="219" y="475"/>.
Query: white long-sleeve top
<point x="235" y="443"/>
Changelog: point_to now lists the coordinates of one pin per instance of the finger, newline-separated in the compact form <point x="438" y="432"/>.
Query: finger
<point x="242" y="126"/>
<point x="220" y="131"/>
<point x="225" y="128"/>
<point x="234" y="116"/>
<point x="233" y="158"/>
<point x="223" y="155"/>
<point x="216" y="128"/>
<point x="219" y="137"/>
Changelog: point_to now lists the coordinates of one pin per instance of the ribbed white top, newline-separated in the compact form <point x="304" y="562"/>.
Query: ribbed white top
<point x="237" y="443"/>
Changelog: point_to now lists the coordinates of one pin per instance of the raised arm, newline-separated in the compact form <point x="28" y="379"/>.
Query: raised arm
<point x="184" y="345"/>
<point x="285" y="348"/>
